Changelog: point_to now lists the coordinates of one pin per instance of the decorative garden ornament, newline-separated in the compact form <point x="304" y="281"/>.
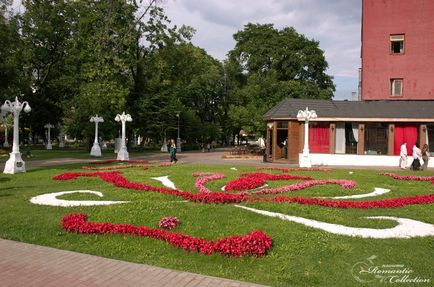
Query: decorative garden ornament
<point x="6" y="143"/>
<point x="49" y="127"/>
<point x="123" y="153"/>
<point x="96" y="150"/>
<point x="306" y="116"/>
<point x="15" y="164"/>
<point x="61" y="137"/>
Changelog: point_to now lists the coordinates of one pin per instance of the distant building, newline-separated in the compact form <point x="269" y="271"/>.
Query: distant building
<point x="397" y="50"/>
<point x="396" y="89"/>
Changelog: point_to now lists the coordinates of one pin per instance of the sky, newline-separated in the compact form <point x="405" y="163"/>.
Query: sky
<point x="336" y="24"/>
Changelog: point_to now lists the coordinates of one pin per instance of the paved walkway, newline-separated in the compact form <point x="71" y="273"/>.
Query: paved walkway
<point x="23" y="264"/>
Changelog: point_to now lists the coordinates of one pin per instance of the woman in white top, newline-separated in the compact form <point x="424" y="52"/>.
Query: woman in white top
<point x="417" y="156"/>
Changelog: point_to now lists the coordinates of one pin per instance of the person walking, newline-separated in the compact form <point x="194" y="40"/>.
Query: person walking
<point x="417" y="155"/>
<point x="172" y="151"/>
<point x="425" y="156"/>
<point x="403" y="156"/>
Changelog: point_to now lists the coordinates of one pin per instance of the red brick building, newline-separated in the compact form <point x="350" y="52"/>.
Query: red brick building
<point x="397" y="50"/>
<point x="397" y="96"/>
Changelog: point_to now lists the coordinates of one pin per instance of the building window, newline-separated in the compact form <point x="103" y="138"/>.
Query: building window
<point x="396" y="87"/>
<point x="397" y="44"/>
<point x="376" y="138"/>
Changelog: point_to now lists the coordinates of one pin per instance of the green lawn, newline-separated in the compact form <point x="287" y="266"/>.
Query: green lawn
<point x="43" y="154"/>
<point x="299" y="256"/>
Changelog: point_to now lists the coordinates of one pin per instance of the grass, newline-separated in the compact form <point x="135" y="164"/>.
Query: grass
<point x="300" y="256"/>
<point x="55" y="153"/>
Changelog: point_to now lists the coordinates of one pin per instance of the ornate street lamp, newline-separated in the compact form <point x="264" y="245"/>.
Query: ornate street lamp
<point x="123" y="153"/>
<point x="306" y="116"/>
<point x="49" y="127"/>
<point x="96" y="150"/>
<point x="178" y="139"/>
<point x="61" y="137"/>
<point x="15" y="164"/>
<point x="6" y="143"/>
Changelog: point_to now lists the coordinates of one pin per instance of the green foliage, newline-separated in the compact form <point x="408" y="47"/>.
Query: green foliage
<point x="12" y="77"/>
<point x="268" y="65"/>
<point x="75" y="59"/>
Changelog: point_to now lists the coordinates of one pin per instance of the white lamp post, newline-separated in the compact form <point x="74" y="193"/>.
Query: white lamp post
<point x="15" y="164"/>
<point x="49" y="127"/>
<point x="96" y="150"/>
<point x="6" y="143"/>
<point x="61" y="137"/>
<point x="178" y="139"/>
<point x="306" y="116"/>
<point x="123" y="153"/>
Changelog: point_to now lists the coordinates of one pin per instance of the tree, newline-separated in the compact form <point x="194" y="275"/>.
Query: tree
<point x="268" y="65"/>
<point x="12" y="77"/>
<point x="45" y="33"/>
<point x="98" y="64"/>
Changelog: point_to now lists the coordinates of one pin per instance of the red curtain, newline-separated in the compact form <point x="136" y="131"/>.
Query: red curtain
<point x="404" y="133"/>
<point x="319" y="138"/>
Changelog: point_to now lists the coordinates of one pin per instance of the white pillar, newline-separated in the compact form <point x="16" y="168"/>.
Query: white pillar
<point x="49" y="145"/>
<point x="96" y="150"/>
<point x="61" y="137"/>
<point x="123" y="153"/>
<point x="306" y="137"/>
<point x="15" y="164"/>
<point x="306" y="115"/>
<point x="16" y="142"/>
<point x="6" y="143"/>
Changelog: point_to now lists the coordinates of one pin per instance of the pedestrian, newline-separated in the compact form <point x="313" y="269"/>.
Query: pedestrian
<point x="403" y="156"/>
<point x="417" y="155"/>
<point x="208" y="147"/>
<point x="172" y="151"/>
<point x="425" y="156"/>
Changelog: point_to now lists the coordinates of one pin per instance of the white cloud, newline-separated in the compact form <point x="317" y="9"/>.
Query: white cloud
<point x="335" y="24"/>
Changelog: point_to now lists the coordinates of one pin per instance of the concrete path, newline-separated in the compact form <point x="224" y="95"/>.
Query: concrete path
<point x="23" y="264"/>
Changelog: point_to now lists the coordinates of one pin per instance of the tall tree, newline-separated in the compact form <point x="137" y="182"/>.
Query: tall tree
<point x="12" y="77"/>
<point x="45" y="32"/>
<point x="99" y="58"/>
<point x="269" y="65"/>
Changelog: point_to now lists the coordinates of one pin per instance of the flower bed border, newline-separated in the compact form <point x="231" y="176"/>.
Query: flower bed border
<point x="255" y="244"/>
<point x="220" y="197"/>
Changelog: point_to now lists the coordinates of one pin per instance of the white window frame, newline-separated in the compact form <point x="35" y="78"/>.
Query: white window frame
<point x="393" y="87"/>
<point x="397" y="38"/>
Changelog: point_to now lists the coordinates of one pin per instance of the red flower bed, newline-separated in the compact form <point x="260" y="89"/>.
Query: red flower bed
<point x="256" y="243"/>
<point x="244" y="183"/>
<point x="254" y="180"/>
<point x="204" y="177"/>
<point x="305" y="184"/>
<point x="168" y="222"/>
<point x="115" y="160"/>
<point x="293" y="169"/>
<point x="116" y="179"/>
<point x="385" y="203"/>
<point x="409" y="177"/>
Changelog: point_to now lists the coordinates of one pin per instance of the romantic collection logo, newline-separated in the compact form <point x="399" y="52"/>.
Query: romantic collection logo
<point x="367" y="272"/>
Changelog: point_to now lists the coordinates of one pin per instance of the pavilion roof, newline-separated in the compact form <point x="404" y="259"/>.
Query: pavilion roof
<point x="393" y="110"/>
